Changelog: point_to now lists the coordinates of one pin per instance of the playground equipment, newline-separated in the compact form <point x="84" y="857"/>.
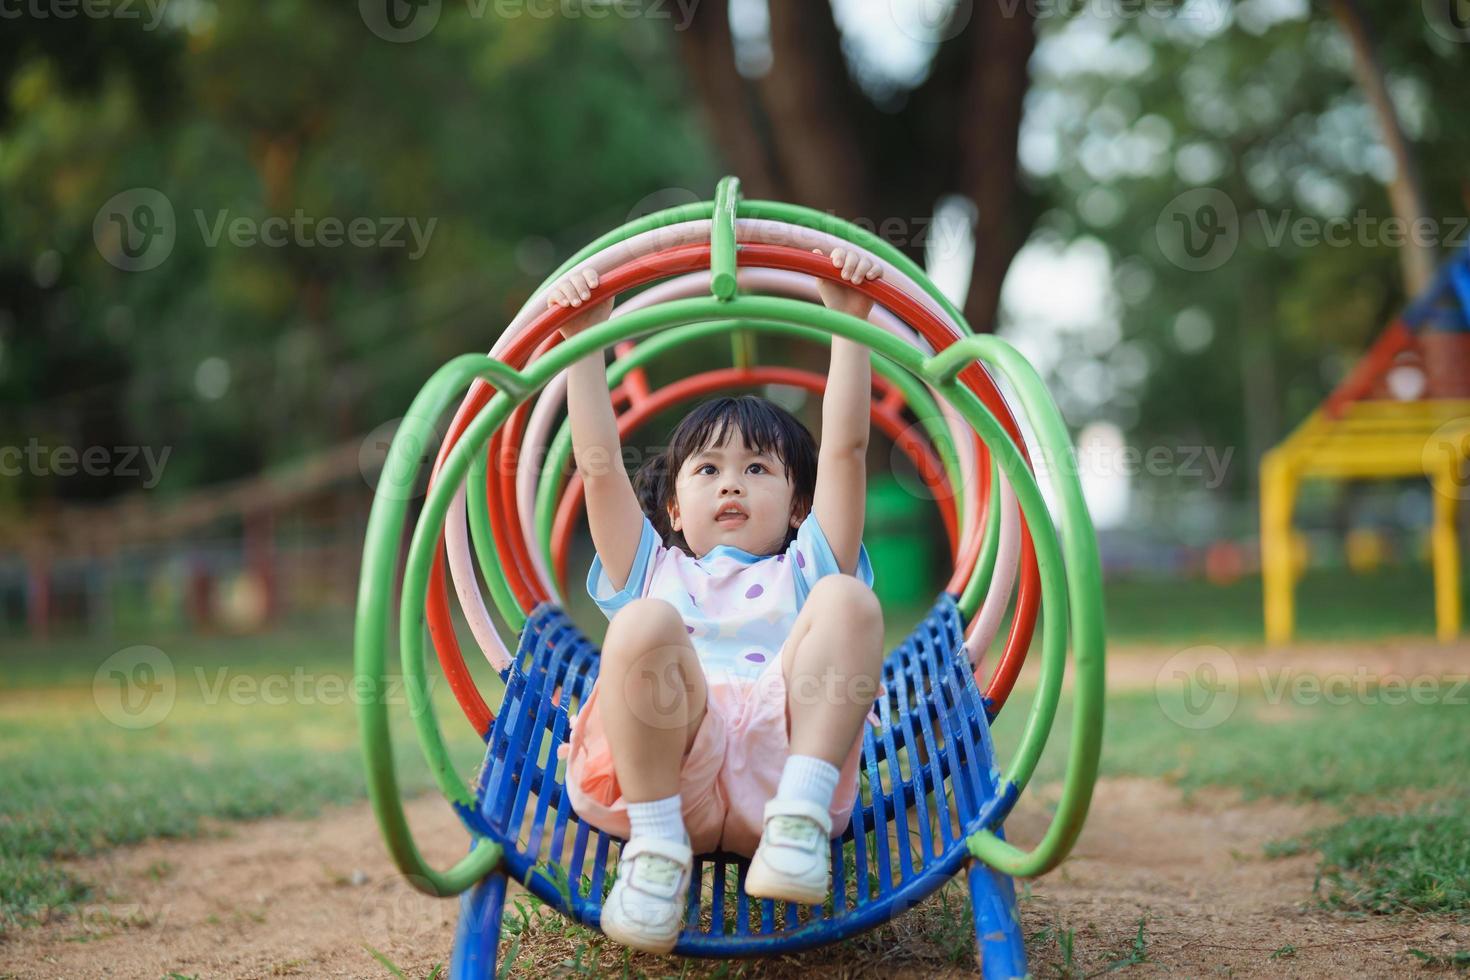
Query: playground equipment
<point x="1377" y="427"/>
<point x="933" y="800"/>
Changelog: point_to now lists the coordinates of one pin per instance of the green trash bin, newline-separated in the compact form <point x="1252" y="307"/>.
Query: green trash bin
<point x="899" y="535"/>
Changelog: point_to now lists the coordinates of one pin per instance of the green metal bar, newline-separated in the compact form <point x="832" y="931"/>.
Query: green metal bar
<point x="972" y="595"/>
<point x="722" y="239"/>
<point x="776" y="211"/>
<point x="483" y="539"/>
<point x="763" y="314"/>
<point x="559" y="449"/>
<point x="1079" y="542"/>
<point x="375" y="592"/>
<point x="1073" y="585"/>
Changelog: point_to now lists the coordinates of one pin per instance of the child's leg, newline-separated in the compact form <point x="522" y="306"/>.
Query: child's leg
<point x="832" y="665"/>
<point x="653" y="698"/>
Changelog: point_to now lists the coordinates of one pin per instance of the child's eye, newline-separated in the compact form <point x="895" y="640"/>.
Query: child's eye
<point x="707" y="469"/>
<point x="756" y="468"/>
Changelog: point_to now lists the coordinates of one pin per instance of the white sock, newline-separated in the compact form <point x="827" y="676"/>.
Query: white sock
<point x="663" y="819"/>
<point x="806" y="777"/>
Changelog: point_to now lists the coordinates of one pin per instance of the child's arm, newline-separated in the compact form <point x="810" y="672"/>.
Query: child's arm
<point x="842" y="480"/>
<point x="613" y="511"/>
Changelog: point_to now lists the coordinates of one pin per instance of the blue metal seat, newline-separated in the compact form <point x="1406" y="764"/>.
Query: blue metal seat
<point x="928" y="778"/>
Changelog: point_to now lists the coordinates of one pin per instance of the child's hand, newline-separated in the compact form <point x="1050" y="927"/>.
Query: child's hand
<point x="855" y="269"/>
<point x="574" y="290"/>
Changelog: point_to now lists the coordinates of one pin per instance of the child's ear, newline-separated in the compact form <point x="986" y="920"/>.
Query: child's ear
<point x="798" y="514"/>
<point x="674" y="515"/>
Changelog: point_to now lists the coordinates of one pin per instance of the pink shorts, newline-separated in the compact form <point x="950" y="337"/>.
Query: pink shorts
<point x="727" y="776"/>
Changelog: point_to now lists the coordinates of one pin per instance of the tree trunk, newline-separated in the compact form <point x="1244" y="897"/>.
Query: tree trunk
<point x="805" y="132"/>
<point x="1405" y="192"/>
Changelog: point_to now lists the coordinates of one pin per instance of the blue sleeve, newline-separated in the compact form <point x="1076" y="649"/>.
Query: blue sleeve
<point x="813" y="559"/>
<point x="610" y="600"/>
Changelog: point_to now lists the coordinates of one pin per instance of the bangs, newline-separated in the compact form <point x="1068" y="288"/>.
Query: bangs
<point x="762" y="426"/>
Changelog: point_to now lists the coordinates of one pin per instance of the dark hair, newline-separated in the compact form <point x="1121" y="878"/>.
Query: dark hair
<point x="765" y="427"/>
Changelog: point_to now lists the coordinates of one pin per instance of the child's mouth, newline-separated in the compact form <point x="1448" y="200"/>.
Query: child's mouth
<point x="732" y="516"/>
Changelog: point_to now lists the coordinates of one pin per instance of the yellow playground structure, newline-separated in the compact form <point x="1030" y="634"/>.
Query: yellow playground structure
<point x="1403" y="411"/>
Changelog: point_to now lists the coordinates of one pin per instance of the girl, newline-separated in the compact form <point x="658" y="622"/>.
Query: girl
<point x="745" y="645"/>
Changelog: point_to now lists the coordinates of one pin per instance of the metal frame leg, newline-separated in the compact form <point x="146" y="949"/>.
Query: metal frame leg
<point x="997" y="923"/>
<point x="478" y="933"/>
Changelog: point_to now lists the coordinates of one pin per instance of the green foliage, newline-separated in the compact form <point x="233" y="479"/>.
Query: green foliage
<point x="1332" y="604"/>
<point x="1259" y="102"/>
<point x="516" y="137"/>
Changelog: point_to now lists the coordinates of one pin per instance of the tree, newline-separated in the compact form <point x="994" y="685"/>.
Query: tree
<point x="805" y="129"/>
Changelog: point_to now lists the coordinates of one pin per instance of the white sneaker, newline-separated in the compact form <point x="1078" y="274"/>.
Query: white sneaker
<point x="794" y="860"/>
<point x="645" y="909"/>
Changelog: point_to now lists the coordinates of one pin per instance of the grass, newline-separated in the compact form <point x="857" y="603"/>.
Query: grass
<point x="1389" y="863"/>
<point x="1359" y="757"/>
<point x="72" y="783"/>
<point x="1331" y="604"/>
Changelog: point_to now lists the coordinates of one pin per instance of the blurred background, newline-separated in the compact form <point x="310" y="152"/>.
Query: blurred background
<point x="235" y="239"/>
<point x="234" y="242"/>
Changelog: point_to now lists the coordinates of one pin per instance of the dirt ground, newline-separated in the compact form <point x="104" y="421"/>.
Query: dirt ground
<point x="308" y="898"/>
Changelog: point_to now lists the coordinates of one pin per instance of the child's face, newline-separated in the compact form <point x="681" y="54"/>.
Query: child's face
<point x="731" y="494"/>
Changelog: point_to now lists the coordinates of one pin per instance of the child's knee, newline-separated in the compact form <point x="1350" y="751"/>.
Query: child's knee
<point x="845" y="597"/>
<point x="642" y="626"/>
